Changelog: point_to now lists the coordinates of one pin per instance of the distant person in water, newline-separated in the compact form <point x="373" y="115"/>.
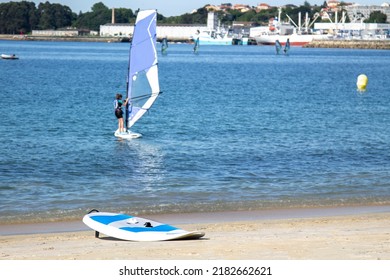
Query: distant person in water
<point x="118" y="103"/>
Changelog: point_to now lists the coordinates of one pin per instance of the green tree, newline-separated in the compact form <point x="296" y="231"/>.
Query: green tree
<point x="92" y="20"/>
<point x="17" y="17"/>
<point x="99" y="8"/>
<point x="124" y="16"/>
<point x="54" y="16"/>
<point x="248" y="16"/>
<point x="376" y="17"/>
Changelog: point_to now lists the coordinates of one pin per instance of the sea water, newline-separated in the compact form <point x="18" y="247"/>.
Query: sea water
<point x="236" y="128"/>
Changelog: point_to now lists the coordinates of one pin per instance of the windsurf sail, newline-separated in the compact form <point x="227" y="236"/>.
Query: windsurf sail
<point x="287" y="46"/>
<point x="196" y="45"/>
<point x="164" y="45"/>
<point x="278" y="46"/>
<point x="142" y="81"/>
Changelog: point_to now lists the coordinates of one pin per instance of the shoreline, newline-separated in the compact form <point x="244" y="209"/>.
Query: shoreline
<point x="60" y="38"/>
<point x="333" y="235"/>
<point x="76" y="39"/>
<point x="337" y="43"/>
<point x="70" y="215"/>
<point x="23" y="228"/>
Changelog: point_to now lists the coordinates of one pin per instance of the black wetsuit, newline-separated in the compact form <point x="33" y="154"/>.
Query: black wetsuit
<point x="118" y="109"/>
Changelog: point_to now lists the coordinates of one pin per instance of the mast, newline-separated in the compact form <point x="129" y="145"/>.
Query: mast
<point x="127" y="113"/>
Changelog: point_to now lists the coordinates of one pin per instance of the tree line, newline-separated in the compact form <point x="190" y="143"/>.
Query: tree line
<point x="23" y="17"/>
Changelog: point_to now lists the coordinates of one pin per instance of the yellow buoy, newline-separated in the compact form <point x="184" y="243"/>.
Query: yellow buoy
<point x="361" y="83"/>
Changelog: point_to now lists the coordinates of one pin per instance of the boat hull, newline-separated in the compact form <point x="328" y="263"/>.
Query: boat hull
<point x="8" y="56"/>
<point x="215" y="42"/>
<point x="295" y="39"/>
<point x="212" y="38"/>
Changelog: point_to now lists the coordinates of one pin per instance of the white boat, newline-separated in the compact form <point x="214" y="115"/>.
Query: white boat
<point x="297" y="35"/>
<point x="213" y="37"/>
<point x="9" y="56"/>
<point x="142" y="80"/>
<point x="295" y="39"/>
<point x="214" y="34"/>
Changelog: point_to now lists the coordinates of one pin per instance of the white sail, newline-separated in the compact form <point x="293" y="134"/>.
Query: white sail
<point x="142" y="84"/>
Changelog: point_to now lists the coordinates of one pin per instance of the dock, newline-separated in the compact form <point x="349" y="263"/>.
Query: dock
<point x="350" y="44"/>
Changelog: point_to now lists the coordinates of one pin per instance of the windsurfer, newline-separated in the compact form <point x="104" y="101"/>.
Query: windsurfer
<point x="118" y="103"/>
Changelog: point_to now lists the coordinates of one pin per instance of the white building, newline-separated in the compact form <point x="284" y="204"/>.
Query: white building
<point x="58" y="32"/>
<point x="355" y="30"/>
<point x="179" y="32"/>
<point x="69" y="32"/>
<point x="358" y="13"/>
<point x="171" y="32"/>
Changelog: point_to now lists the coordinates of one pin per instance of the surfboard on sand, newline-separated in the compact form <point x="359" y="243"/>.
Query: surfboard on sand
<point x="132" y="228"/>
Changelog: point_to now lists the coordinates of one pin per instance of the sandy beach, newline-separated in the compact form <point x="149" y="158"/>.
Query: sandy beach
<point x="362" y="236"/>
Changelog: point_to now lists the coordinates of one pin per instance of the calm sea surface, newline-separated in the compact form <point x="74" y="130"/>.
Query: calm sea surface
<point x="236" y="128"/>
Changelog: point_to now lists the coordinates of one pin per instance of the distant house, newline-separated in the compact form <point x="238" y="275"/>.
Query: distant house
<point x="225" y="6"/>
<point x="263" y="6"/>
<point x="242" y="8"/>
<point x="333" y="4"/>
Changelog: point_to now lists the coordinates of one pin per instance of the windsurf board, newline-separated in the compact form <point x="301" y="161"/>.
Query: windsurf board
<point x="133" y="228"/>
<point x="127" y="135"/>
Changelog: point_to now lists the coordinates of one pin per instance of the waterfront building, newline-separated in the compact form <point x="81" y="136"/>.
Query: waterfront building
<point x="357" y="30"/>
<point x="359" y="13"/>
<point x="180" y="32"/>
<point x="66" y="32"/>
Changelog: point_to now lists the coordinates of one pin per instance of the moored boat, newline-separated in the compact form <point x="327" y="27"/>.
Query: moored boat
<point x="296" y="34"/>
<point x="9" y="56"/>
<point x="214" y="34"/>
<point x="295" y="39"/>
<point x="213" y="37"/>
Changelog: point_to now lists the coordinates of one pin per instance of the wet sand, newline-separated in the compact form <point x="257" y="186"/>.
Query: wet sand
<point x="348" y="233"/>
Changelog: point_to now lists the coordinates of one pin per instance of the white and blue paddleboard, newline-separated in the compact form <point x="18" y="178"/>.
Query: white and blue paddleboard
<point x="132" y="228"/>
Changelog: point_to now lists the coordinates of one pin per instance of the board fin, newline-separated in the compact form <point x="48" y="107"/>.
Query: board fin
<point x="96" y="232"/>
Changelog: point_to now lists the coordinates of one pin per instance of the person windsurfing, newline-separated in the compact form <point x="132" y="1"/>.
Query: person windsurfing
<point x="118" y="103"/>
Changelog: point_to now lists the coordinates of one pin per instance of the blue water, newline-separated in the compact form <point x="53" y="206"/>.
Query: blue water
<point x="236" y="128"/>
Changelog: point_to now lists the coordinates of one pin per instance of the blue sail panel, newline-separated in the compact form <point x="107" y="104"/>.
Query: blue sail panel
<point x="164" y="45"/>
<point x="278" y="46"/>
<point x="287" y="46"/>
<point x="196" y="45"/>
